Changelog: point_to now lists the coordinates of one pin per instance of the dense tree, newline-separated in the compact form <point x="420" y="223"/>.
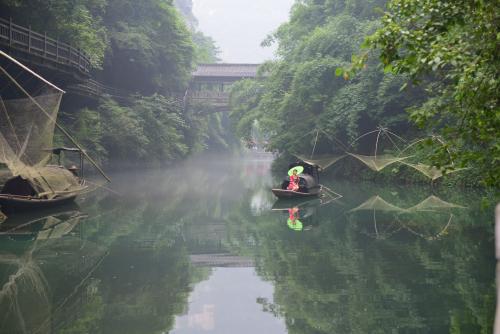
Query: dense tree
<point x="451" y="49"/>
<point x="439" y="62"/>
<point x="77" y="22"/>
<point x="147" y="50"/>
<point x="300" y="92"/>
<point x="150" y="47"/>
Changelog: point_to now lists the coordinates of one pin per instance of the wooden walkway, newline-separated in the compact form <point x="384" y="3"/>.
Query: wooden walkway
<point x="42" y="50"/>
<point x="38" y="49"/>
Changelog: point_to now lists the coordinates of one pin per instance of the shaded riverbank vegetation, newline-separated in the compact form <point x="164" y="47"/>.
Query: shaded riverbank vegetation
<point x="145" y="50"/>
<point x="435" y="69"/>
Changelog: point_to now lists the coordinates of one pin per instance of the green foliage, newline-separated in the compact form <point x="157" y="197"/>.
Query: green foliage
<point x="205" y="49"/>
<point x="150" y="46"/>
<point x="78" y="22"/>
<point x="209" y="128"/>
<point x="144" y="47"/>
<point x="244" y="99"/>
<point x="86" y="125"/>
<point x="150" y="130"/>
<point x="451" y="49"/>
<point x="141" y="46"/>
<point x="301" y="92"/>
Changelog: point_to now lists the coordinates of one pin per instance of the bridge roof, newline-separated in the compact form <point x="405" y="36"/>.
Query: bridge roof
<point x="226" y="70"/>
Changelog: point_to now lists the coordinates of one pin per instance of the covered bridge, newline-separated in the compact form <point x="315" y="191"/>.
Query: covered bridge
<point x="211" y="82"/>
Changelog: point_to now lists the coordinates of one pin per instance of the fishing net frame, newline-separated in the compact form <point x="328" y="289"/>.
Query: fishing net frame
<point x="28" y="118"/>
<point x="431" y="172"/>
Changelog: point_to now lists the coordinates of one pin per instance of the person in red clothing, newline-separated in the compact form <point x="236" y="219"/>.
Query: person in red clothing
<point x="294" y="181"/>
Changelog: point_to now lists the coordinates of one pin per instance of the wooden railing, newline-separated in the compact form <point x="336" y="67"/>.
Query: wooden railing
<point x="27" y="40"/>
<point x="212" y="96"/>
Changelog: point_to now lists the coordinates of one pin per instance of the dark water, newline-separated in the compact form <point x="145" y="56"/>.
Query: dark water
<point x="205" y="248"/>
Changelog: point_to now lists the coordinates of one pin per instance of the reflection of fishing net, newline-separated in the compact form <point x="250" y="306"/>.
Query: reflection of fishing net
<point x="424" y="216"/>
<point x="56" y="227"/>
<point x="427" y="225"/>
<point x="24" y="301"/>
<point x="377" y="203"/>
<point x="28" y="111"/>
<point x="433" y="203"/>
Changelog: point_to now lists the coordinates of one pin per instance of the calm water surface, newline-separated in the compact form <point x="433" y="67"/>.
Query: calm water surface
<point x="205" y="248"/>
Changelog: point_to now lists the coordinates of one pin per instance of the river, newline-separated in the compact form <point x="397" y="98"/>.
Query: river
<point x="205" y="248"/>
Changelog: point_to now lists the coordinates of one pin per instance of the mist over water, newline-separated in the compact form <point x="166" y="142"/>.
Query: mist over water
<point x="204" y="247"/>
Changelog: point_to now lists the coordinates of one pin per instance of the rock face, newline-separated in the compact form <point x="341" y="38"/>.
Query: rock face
<point x="185" y="7"/>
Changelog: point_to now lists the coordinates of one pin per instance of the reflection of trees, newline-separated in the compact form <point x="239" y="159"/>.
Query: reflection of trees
<point x="149" y="233"/>
<point x="338" y="279"/>
<point x="142" y="288"/>
<point x="27" y="301"/>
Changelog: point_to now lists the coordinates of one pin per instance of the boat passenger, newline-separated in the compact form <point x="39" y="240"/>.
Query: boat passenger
<point x="294" y="181"/>
<point x="74" y="170"/>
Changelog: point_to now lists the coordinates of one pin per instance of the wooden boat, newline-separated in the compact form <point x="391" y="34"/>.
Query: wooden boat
<point x="29" y="105"/>
<point x="308" y="183"/>
<point x="283" y="193"/>
<point x="20" y="195"/>
<point x="15" y="203"/>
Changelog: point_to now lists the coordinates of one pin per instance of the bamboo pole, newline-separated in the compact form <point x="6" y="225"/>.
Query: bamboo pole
<point x="30" y="71"/>
<point x="66" y="133"/>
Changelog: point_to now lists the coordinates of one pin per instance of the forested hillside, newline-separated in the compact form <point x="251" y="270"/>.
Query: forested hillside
<point x="145" y="49"/>
<point x="317" y="84"/>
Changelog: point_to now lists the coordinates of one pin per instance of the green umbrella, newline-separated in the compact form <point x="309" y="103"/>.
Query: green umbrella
<point x="297" y="226"/>
<point x="299" y="169"/>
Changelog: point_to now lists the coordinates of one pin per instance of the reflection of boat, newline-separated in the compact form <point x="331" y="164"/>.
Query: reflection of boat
<point x="284" y="204"/>
<point x="427" y="210"/>
<point x="45" y="224"/>
<point x="299" y="212"/>
<point x="308" y="183"/>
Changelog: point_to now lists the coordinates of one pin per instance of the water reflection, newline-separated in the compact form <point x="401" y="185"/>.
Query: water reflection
<point x="432" y="217"/>
<point x="206" y="248"/>
<point x="300" y="214"/>
<point x="383" y="265"/>
<point x="34" y="260"/>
